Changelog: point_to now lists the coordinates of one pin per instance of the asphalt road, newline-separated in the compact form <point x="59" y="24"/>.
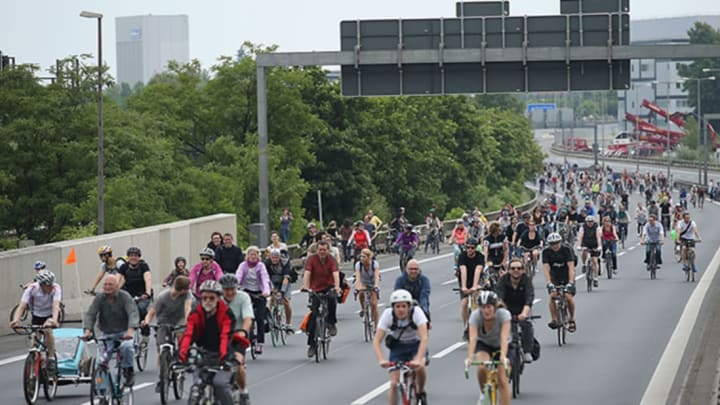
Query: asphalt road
<point x="623" y="328"/>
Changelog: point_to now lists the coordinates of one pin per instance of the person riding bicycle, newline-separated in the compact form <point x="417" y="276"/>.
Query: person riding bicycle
<point x="281" y="278"/>
<point x="665" y="212"/>
<point x="403" y="329"/>
<point x="367" y="276"/>
<point x="688" y="234"/>
<point x="559" y="268"/>
<point x="135" y="278"/>
<point x="457" y="239"/>
<point x="653" y="234"/>
<point x="531" y="242"/>
<point x="180" y="269"/>
<point x="609" y="241"/>
<point x="241" y="307"/>
<point x="407" y="241"/>
<point x="253" y="278"/>
<point x="108" y="265"/>
<point x="417" y="284"/>
<point x="623" y="220"/>
<point x="477" y="228"/>
<point x="495" y="247"/>
<point x="322" y="276"/>
<point x="653" y="209"/>
<point x="172" y="307"/>
<point x="43" y="297"/>
<point x="434" y="227"/>
<point x="489" y="340"/>
<point x="590" y="238"/>
<point x="38" y="266"/>
<point x="117" y="316"/>
<point x="207" y="269"/>
<point x="210" y="327"/>
<point x="516" y="290"/>
<point x="360" y="239"/>
<point x="471" y="263"/>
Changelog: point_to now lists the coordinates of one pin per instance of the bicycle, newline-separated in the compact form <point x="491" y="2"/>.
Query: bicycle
<point x="405" y="256"/>
<point x="24" y="315"/>
<point x="202" y="391"/>
<point x="35" y="369"/>
<point x="141" y="350"/>
<point x="607" y="257"/>
<point x="561" y="314"/>
<point x="493" y="275"/>
<point x="168" y="375"/>
<point x="623" y="233"/>
<point x="471" y="306"/>
<point x="589" y="270"/>
<point x="492" y="378"/>
<point x="434" y="237"/>
<point x="277" y="319"/>
<point x="689" y="266"/>
<point x="652" y="260"/>
<point x="254" y="330"/>
<point x="322" y="334"/>
<point x="102" y="389"/>
<point x="530" y="267"/>
<point x="517" y="360"/>
<point x="407" y="384"/>
<point x="368" y="323"/>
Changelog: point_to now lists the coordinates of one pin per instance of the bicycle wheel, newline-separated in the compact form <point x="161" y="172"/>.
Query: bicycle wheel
<point x="280" y="322"/>
<point x="319" y="334"/>
<point x="50" y="384"/>
<point x="589" y="278"/>
<point x="31" y="377"/>
<point x="562" y="325"/>
<point x="100" y="387"/>
<point x="515" y="373"/>
<point x="164" y="382"/>
<point x="127" y="396"/>
<point x="253" y="339"/>
<point x="23" y="317"/>
<point x="326" y="345"/>
<point x="141" y="357"/>
<point x="691" y="264"/>
<point x="565" y="322"/>
<point x="608" y="265"/>
<point x="274" y="328"/>
<point x="412" y="393"/>
<point x="178" y="383"/>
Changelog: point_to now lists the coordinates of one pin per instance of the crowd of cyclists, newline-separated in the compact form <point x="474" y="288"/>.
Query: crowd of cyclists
<point x="220" y="304"/>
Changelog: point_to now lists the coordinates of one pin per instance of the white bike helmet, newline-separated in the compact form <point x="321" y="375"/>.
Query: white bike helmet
<point x="45" y="277"/>
<point x="207" y="252"/>
<point x="401" y="296"/>
<point x="554" y="238"/>
<point x="211" y="286"/>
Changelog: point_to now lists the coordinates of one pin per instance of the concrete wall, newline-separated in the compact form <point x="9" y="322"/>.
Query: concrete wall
<point x="160" y="245"/>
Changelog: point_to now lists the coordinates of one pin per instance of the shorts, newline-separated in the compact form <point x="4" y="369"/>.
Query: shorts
<point x="404" y="352"/>
<point x="494" y="352"/>
<point x="39" y="320"/>
<point x="594" y="251"/>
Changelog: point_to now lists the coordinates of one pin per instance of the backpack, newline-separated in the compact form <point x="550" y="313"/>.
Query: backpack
<point x="293" y="275"/>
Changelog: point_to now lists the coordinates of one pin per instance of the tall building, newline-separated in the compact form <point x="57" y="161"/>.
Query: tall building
<point x="145" y="45"/>
<point x="658" y="80"/>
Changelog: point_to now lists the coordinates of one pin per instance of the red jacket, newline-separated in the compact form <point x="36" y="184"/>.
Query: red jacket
<point x="196" y="326"/>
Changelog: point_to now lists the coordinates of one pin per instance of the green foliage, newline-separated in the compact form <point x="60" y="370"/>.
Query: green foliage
<point x="454" y="213"/>
<point x="702" y="33"/>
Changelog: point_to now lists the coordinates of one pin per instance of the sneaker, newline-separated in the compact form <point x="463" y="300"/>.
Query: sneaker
<point x="615" y="271"/>
<point x="466" y="335"/>
<point x="528" y="358"/>
<point x="421" y="398"/>
<point x="362" y="313"/>
<point x="258" y="349"/>
<point x="129" y="377"/>
<point x="157" y="387"/>
<point x="244" y="398"/>
<point x="596" y="283"/>
<point x="289" y="329"/>
<point x="553" y="325"/>
<point x="51" y="366"/>
<point x="332" y="330"/>
<point x="481" y="399"/>
<point x="311" y="351"/>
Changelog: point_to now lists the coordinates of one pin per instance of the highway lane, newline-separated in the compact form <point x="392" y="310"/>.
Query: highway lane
<point x="622" y="330"/>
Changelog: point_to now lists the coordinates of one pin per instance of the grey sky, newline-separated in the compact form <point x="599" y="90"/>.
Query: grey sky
<point x="43" y="30"/>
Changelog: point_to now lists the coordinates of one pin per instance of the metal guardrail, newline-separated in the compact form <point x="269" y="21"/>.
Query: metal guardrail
<point x="653" y="160"/>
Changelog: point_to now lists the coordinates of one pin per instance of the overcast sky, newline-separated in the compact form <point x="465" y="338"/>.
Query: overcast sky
<point x="41" y="31"/>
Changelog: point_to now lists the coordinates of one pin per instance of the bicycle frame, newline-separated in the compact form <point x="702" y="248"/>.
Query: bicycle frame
<point x="204" y="387"/>
<point x="406" y="382"/>
<point x="368" y="322"/>
<point x="491" y="380"/>
<point x="322" y="337"/>
<point x="116" y="389"/>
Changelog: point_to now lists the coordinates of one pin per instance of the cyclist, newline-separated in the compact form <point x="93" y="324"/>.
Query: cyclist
<point x="241" y="306"/>
<point x="43" y="297"/>
<point x="417" y="284"/>
<point x="404" y="329"/>
<point x="135" y="278"/>
<point x="180" y="269"/>
<point x="622" y="221"/>
<point x="280" y="276"/>
<point x="407" y="241"/>
<point x="489" y="339"/>
<point x="477" y="228"/>
<point x="116" y="314"/>
<point x="228" y="255"/>
<point x="38" y="266"/>
<point x="360" y="238"/>
<point x="367" y="275"/>
<point x="609" y="241"/>
<point x="321" y="275"/>
<point x="209" y="327"/>
<point x="457" y="239"/>
<point x="516" y="290"/>
<point x="275" y="243"/>
<point x="653" y="233"/>
<point x="589" y="237"/>
<point x="108" y="265"/>
<point x="207" y="269"/>
<point x="172" y="307"/>
<point x="641" y="215"/>
<point x="471" y="264"/>
<point x="531" y="242"/>
<point x="495" y="247"/>
<point x="434" y="226"/>
<point x="653" y="209"/>
<point x="253" y="279"/>
<point x="665" y="208"/>
<point x="559" y="268"/>
<point x="688" y="234"/>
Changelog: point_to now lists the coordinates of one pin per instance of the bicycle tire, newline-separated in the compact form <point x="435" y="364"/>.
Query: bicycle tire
<point x="608" y="266"/>
<point x="164" y="382"/>
<point x="412" y="393"/>
<point x="100" y="395"/>
<point x="280" y="320"/>
<point x="50" y="384"/>
<point x="560" y="319"/>
<point x="273" y="330"/>
<point x="326" y="345"/>
<point x="565" y="322"/>
<point x="515" y="373"/>
<point x="141" y="357"/>
<point x="127" y="396"/>
<point x="253" y="340"/>
<point x="31" y="379"/>
<point x="319" y="326"/>
<point x="178" y="382"/>
<point x="23" y="317"/>
<point x="691" y="264"/>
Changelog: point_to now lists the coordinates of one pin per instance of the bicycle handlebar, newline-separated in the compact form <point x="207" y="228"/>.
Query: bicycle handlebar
<point x="27" y="330"/>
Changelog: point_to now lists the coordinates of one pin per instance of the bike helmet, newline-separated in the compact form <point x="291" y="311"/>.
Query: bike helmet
<point x="487" y="298"/>
<point x="133" y="250"/>
<point x="358" y="223"/>
<point x="408" y="226"/>
<point x="554" y="238"/>
<point x="104" y="250"/>
<point x="401" y="296"/>
<point x="228" y="281"/>
<point x="207" y="252"/>
<point x="590" y="218"/>
<point x="39" y="265"/>
<point x="210" y="286"/>
<point x="471" y="242"/>
<point x="459" y="221"/>
<point x="310" y="225"/>
<point x="45" y="278"/>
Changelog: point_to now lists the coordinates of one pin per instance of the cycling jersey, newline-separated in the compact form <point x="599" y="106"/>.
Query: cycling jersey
<point x="496" y="248"/>
<point x="590" y="236"/>
<point x="558" y="262"/>
<point x="41" y="304"/>
<point x="460" y="234"/>
<point x="407" y="241"/>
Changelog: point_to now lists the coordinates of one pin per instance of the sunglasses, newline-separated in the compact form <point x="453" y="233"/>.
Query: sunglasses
<point x="413" y="268"/>
<point x="205" y="259"/>
<point x="103" y="255"/>
<point x="209" y="298"/>
<point x="470" y="247"/>
<point x="516" y="268"/>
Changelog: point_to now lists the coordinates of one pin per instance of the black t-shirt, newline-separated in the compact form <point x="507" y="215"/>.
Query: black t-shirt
<point x="495" y="245"/>
<point x="470" y="263"/>
<point x="515" y="299"/>
<point x="559" y="270"/>
<point x="520" y="229"/>
<point x="590" y="236"/>
<point x="210" y="338"/>
<point x="134" y="278"/>
<point x="665" y="208"/>
<point x="229" y="258"/>
<point x="528" y="243"/>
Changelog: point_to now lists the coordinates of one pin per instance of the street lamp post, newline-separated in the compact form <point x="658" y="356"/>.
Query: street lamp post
<point x="101" y="151"/>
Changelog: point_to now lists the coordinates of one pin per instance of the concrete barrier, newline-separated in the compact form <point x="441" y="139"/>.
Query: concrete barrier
<point x="160" y="245"/>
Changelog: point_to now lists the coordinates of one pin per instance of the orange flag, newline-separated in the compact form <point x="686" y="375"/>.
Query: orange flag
<point x="71" y="259"/>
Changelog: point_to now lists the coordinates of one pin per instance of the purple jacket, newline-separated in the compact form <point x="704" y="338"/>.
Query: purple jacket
<point x="262" y="275"/>
<point x="406" y="241"/>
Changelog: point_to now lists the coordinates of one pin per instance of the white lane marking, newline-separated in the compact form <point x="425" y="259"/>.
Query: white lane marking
<point x="12" y="359"/>
<point x="448" y="350"/>
<point x="380" y="305"/>
<point x="536" y="301"/>
<point x="372" y="394"/>
<point x="449" y="281"/>
<point x="621" y="253"/>
<point x="658" y="390"/>
<point x="430" y="259"/>
<point x="579" y="277"/>
<point x="632" y="247"/>
<point x="135" y="389"/>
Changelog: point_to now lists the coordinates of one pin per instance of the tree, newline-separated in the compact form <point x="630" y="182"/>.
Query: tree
<point x="702" y="33"/>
